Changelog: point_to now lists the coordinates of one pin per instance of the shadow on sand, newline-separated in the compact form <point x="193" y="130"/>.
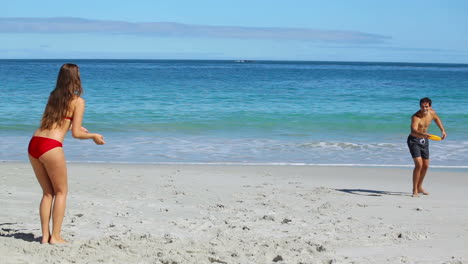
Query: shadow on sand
<point x="372" y="192"/>
<point x="16" y="233"/>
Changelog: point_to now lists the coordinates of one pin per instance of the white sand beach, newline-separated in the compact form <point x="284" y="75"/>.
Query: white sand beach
<point x="120" y="213"/>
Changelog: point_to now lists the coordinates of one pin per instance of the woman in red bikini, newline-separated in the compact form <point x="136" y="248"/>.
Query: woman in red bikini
<point x="63" y="112"/>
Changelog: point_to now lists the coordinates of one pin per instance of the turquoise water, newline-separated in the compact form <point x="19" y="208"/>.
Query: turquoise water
<point x="156" y="111"/>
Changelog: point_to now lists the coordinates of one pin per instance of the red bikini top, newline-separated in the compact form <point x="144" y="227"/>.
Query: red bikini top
<point x="69" y="118"/>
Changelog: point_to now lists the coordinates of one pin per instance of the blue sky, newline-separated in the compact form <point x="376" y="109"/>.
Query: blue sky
<point x="393" y="31"/>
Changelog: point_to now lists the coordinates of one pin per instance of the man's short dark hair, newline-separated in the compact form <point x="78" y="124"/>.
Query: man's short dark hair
<point x="425" y="100"/>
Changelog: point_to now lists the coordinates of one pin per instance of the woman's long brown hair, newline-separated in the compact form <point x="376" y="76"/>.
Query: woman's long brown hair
<point x="68" y="87"/>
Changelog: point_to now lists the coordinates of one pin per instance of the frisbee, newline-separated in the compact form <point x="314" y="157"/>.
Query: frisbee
<point x="434" y="137"/>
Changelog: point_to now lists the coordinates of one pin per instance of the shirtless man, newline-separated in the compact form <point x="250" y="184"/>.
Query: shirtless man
<point x="418" y="142"/>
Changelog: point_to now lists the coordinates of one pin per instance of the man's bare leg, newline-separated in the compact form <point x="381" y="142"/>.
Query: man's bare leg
<point x="418" y="164"/>
<point x="425" y="166"/>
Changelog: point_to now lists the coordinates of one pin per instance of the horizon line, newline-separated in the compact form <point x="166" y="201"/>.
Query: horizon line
<point x="233" y="60"/>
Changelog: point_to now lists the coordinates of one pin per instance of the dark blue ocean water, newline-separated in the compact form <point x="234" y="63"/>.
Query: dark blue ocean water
<point x="164" y="111"/>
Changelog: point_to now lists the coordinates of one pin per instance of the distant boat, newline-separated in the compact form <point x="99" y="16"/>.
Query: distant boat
<point x="244" y="61"/>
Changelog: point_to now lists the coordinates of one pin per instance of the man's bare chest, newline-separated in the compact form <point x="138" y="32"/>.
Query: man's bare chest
<point x="425" y="121"/>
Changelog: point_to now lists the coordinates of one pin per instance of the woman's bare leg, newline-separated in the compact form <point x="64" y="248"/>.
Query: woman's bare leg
<point x="47" y="197"/>
<point x="55" y="165"/>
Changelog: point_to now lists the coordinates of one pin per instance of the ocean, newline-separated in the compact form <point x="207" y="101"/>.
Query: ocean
<point x="261" y="112"/>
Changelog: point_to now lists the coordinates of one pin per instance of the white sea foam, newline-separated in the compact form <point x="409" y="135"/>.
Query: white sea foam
<point x="206" y="150"/>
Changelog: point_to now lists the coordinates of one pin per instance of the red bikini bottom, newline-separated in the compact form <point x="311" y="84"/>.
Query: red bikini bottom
<point x="40" y="145"/>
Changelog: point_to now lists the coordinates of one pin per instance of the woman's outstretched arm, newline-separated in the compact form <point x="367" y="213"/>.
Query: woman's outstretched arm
<point x="77" y="131"/>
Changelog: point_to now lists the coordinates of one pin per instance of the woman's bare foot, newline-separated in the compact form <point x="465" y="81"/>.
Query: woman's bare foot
<point x="45" y="239"/>
<point x="415" y="195"/>
<point x="57" y="241"/>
